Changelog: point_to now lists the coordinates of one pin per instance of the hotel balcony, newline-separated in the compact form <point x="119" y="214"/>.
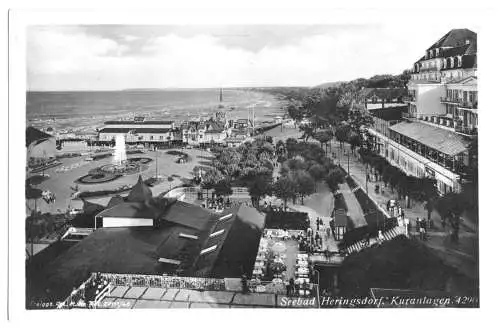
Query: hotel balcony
<point x="466" y="130"/>
<point x="467" y="104"/>
<point x="429" y="69"/>
<point x="408" y="98"/>
<point x="450" y="100"/>
<point x="450" y="124"/>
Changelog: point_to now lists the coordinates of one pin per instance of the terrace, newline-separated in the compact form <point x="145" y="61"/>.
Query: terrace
<point x="435" y="144"/>
<point x="448" y="123"/>
<point x="130" y="291"/>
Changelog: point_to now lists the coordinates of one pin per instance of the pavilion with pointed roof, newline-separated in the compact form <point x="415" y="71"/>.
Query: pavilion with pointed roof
<point x="142" y="234"/>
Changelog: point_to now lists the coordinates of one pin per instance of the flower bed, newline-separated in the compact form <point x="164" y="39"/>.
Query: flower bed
<point x="100" y="193"/>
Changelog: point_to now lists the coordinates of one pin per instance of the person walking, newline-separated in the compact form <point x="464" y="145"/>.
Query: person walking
<point x="423" y="229"/>
<point x="380" y="236"/>
<point x="291" y="283"/>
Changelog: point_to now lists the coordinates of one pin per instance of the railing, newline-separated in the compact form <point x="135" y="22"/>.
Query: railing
<point x="388" y="235"/>
<point x="138" y="280"/>
<point x="408" y="98"/>
<point x="465" y="130"/>
<point x="468" y="104"/>
<point x="450" y="100"/>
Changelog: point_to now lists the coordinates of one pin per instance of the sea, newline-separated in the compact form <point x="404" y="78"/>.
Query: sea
<point x="86" y="111"/>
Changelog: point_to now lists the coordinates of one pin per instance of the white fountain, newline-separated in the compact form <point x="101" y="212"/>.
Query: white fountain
<point x="120" y="151"/>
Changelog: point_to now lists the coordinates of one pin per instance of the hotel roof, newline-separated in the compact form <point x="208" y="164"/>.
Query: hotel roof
<point x="454" y="38"/>
<point x="137" y="130"/>
<point x="139" y="249"/>
<point x="138" y="122"/>
<point x="439" y="139"/>
<point x="35" y="135"/>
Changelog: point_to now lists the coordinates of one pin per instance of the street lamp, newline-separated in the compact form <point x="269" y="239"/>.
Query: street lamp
<point x="348" y="172"/>
<point x="366" y="179"/>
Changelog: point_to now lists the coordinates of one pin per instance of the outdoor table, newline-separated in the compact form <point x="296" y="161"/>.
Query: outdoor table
<point x="302" y="270"/>
<point x="259" y="265"/>
<point x="277" y="280"/>
<point x="257" y="272"/>
<point x="260" y="289"/>
<point x="302" y="263"/>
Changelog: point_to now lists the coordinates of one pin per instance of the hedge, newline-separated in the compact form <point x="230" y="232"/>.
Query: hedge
<point x="287" y="220"/>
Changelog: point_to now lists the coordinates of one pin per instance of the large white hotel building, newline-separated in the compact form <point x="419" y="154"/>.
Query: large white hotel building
<point x="432" y="140"/>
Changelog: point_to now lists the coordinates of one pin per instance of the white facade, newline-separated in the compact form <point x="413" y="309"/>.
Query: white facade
<point x="427" y="99"/>
<point x="126" y="222"/>
<point x="416" y="165"/>
<point x="135" y="125"/>
<point x="141" y="136"/>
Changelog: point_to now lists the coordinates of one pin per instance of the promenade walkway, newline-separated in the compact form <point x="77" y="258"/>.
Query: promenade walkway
<point x="354" y="210"/>
<point x="463" y="255"/>
<point x="319" y="205"/>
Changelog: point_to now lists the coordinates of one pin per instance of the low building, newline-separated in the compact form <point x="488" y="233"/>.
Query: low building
<point x="40" y="145"/>
<point x="185" y="240"/>
<point x="382" y="97"/>
<point x="422" y="150"/>
<point x="140" y="131"/>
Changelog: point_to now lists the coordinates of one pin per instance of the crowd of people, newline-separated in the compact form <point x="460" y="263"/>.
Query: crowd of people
<point x="48" y="196"/>
<point x="312" y="242"/>
<point x="217" y="204"/>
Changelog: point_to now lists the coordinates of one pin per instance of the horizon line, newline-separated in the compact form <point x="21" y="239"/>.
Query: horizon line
<point x="174" y="88"/>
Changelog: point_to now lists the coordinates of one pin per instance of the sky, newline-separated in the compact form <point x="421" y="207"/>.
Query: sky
<point x="115" y="57"/>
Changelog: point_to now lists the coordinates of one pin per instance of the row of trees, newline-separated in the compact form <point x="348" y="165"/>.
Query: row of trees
<point x="251" y="165"/>
<point x="303" y="166"/>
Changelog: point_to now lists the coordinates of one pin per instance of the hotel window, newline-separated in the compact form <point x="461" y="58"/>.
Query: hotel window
<point x="161" y="137"/>
<point x="459" y="59"/>
<point x="151" y="138"/>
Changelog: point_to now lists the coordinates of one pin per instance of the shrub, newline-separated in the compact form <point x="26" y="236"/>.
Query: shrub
<point x="287" y="220"/>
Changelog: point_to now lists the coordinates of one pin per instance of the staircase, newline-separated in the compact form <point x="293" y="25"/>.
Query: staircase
<point x="388" y="235"/>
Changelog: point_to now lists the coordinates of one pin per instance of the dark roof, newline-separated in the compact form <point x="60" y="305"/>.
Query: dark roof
<point x="137" y="250"/>
<point x="340" y="218"/>
<point x="137" y="130"/>
<point x="454" y="38"/>
<point x="460" y="50"/>
<point x="138" y="122"/>
<point x="35" y="135"/>
<point x="131" y="210"/>
<point x="389" y="113"/>
<point x="385" y="93"/>
<point x="115" y="200"/>
<point x="214" y="131"/>
<point x="186" y="214"/>
<point x="91" y="208"/>
<point x="237" y="247"/>
<point x="439" y="139"/>
<point x="140" y="192"/>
